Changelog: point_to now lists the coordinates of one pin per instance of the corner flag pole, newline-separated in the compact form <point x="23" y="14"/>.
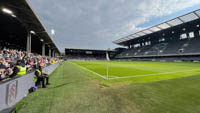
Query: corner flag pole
<point x="107" y="70"/>
<point x="108" y="59"/>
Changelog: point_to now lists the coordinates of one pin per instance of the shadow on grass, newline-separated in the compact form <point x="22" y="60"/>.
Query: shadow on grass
<point x="61" y="85"/>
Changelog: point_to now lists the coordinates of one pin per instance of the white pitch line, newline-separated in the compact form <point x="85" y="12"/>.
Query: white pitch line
<point x="89" y="70"/>
<point x="111" y="76"/>
<point x="152" y="74"/>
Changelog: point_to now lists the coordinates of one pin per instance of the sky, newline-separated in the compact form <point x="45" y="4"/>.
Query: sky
<point x="94" y="24"/>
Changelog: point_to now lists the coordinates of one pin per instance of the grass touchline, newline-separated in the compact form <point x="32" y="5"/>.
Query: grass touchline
<point x="138" y="71"/>
<point x="89" y="70"/>
<point x="116" y="77"/>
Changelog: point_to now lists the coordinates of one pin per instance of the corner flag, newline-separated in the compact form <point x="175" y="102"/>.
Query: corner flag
<point x="107" y="56"/>
<point x="108" y="59"/>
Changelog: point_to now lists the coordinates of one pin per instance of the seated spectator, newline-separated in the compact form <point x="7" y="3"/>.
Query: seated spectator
<point x="2" y="69"/>
<point x="19" y="69"/>
<point x="2" y="73"/>
<point x="24" y="62"/>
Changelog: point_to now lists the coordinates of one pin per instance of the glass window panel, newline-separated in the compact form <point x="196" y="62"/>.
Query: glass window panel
<point x="198" y="12"/>
<point x="183" y="36"/>
<point x="135" y="35"/>
<point x="175" y="22"/>
<point x="123" y="39"/>
<point x="155" y="29"/>
<point x="189" y="17"/>
<point x="147" y="31"/>
<point x="130" y="37"/>
<point x="191" y="35"/>
<point x="199" y="32"/>
<point x="163" y="26"/>
<point x="140" y="34"/>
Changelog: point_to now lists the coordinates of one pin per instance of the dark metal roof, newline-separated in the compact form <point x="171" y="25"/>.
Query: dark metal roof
<point x="165" y="25"/>
<point x="25" y="14"/>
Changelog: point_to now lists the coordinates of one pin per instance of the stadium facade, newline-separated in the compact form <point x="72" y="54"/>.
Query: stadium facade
<point x="175" y="40"/>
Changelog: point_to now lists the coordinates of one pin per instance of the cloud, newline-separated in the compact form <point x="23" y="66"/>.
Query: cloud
<point x="152" y="9"/>
<point x="96" y="23"/>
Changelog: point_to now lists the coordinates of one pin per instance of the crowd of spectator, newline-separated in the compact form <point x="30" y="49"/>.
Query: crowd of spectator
<point x="10" y="57"/>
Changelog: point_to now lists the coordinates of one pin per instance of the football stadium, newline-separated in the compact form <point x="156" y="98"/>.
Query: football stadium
<point x="153" y="70"/>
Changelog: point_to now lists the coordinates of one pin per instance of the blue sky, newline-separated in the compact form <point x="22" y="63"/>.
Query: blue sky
<point x="94" y="24"/>
<point x="158" y="20"/>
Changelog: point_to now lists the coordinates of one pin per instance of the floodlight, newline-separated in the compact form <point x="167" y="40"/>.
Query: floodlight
<point x="41" y="40"/>
<point x="52" y="31"/>
<point x="14" y="16"/>
<point x="33" y="32"/>
<point x="5" y="10"/>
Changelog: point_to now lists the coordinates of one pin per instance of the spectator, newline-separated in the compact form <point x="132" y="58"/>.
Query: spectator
<point x="2" y="69"/>
<point x="25" y="62"/>
<point x="19" y="69"/>
<point x="39" y="77"/>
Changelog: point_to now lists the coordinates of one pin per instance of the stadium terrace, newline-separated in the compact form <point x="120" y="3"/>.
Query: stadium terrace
<point x="176" y="39"/>
<point x="25" y="45"/>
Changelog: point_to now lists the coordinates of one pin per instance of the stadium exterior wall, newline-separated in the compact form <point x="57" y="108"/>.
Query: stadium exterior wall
<point x="13" y="91"/>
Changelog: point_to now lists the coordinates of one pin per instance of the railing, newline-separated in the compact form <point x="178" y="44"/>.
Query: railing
<point x="12" y="91"/>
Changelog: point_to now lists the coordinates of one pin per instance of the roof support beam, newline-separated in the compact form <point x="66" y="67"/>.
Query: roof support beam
<point x="196" y="14"/>
<point x="181" y="20"/>
<point x="159" y="28"/>
<point x="169" y="24"/>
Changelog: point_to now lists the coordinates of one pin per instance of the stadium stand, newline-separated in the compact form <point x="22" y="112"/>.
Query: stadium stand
<point x="24" y="38"/>
<point x="9" y="57"/>
<point x="87" y="54"/>
<point x="175" y="40"/>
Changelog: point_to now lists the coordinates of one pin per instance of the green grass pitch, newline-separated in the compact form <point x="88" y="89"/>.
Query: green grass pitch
<point x="74" y="89"/>
<point x="140" y="71"/>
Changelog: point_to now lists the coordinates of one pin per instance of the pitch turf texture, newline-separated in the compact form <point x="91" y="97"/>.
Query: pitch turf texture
<point x="139" y="71"/>
<point x="148" y="87"/>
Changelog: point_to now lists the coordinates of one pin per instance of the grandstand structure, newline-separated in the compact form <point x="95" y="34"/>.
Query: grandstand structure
<point x="175" y="40"/>
<point x="22" y="37"/>
<point x="21" y="29"/>
<point x="87" y="54"/>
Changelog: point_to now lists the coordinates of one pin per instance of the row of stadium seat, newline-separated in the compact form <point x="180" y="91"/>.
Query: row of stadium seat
<point x="187" y="46"/>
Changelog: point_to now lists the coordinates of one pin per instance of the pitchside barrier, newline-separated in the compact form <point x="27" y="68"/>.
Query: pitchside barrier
<point x="14" y="90"/>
